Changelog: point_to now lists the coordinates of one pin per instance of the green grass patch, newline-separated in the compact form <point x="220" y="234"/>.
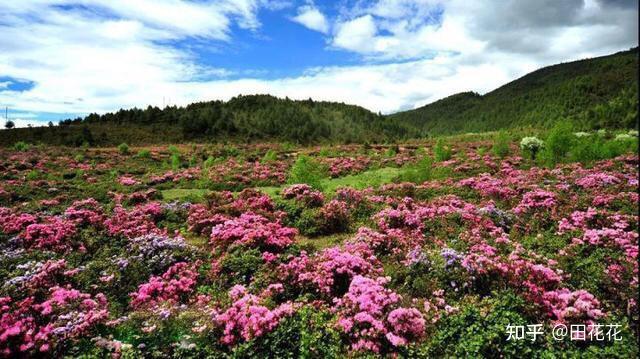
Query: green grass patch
<point x="371" y="178"/>
<point x="320" y="243"/>
<point x="183" y="194"/>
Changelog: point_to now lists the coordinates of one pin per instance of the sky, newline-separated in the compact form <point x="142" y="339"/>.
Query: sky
<point x="66" y="58"/>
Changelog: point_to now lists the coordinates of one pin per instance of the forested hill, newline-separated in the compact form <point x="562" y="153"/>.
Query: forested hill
<point x="242" y="119"/>
<point x="593" y="93"/>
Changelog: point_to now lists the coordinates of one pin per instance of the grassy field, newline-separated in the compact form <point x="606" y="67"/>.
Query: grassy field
<point x="372" y="178"/>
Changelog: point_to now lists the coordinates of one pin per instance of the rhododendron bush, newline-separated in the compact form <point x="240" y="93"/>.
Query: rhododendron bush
<point x="111" y="254"/>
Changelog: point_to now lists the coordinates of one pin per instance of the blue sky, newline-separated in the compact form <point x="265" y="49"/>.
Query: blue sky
<point x="64" y="58"/>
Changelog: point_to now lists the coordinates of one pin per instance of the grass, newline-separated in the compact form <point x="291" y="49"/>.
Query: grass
<point x="319" y="243"/>
<point x="371" y="178"/>
<point x="183" y="193"/>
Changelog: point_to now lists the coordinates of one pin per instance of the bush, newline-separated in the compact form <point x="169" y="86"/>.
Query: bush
<point x="240" y="265"/>
<point x="594" y="148"/>
<point x="391" y="152"/>
<point x="144" y="153"/>
<point x="418" y="173"/>
<point x="501" y="145"/>
<point x="472" y="334"/>
<point x="123" y="148"/>
<point x="307" y="222"/>
<point x="21" y="146"/>
<point x="306" y="170"/>
<point x="33" y="175"/>
<point x="176" y="163"/>
<point x="531" y="146"/>
<point x="270" y="156"/>
<point x="209" y="162"/>
<point x="442" y="152"/>
<point x="173" y="150"/>
<point x="558" y="144"/>
<point x="309" y="333"/>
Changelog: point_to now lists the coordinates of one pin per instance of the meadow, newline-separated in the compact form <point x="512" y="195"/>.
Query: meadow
<point x="430" y="248"/>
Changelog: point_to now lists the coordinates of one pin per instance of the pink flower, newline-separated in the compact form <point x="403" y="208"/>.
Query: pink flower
<point x="128" y="181"/>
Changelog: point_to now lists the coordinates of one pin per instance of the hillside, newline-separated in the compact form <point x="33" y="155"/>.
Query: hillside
<point x="243" y="119"/>
<point x="593" y="93"/>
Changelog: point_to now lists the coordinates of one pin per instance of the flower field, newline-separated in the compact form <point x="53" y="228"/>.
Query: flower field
<point x="430" y="249"/>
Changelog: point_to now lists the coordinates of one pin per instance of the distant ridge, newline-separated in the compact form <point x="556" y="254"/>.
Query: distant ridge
<point x="594" y="93"/>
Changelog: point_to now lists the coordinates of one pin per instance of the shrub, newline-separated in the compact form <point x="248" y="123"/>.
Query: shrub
<point x="391" y="152"/>
<point x="173" y="150"/>
<point x="501" y="145"/>
<point x="309" y="333"/>
<point x="418" y="173"/>
<point x="270" y="156"/>
<point x="306" y="170"/>
<point x="239" y="266"/>
<point x="531" y="146"/>
<point x="558" y="144"/>
<point x="21" y="146"/>
<point x="144" y="153"/>
<point x="33" y="175"/>
<point x="123" y="148"/>
<point x="472" y="334"/>
<point x="586" y="149"/>
<point x="176" y="163"/>
<point x="442" y="151"/>
<point x="209" y="162"/>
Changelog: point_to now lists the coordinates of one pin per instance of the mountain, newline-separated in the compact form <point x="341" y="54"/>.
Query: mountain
<point x="592" y="93"/>
<point x="242" y="119"/>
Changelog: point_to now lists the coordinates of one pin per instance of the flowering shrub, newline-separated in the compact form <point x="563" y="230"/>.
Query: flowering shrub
<point x="11" y="222"/>
<point x="536" y="199"/>
<point x="330" y="271"/>
<point x="367" y="314"/>
<point x="35" y="276"/>
<point x="54" y="234"/>
<point x="334" y="217"/>
<point x="531" y="145"/>
<point x="85" y="212"/>
<point x="247" y="318"/>
<point x="29" y="326"/>
<point x="157" y="251"/>
<point x="304" y="194"/>
<point x="179" y="280"/>
<point x="597" y="180"/>
<point x="136" y="222"/>
<point x="567" y="306"/>
<point x="128" y="181"/>
<point x="252" y="231"/>
<point x="201" y="220"/>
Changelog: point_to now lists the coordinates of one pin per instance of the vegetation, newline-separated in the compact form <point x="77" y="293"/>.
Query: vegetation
<point x="308" y="171"/>
<point x="220" y="251"/>
<point x="592" y="94"/>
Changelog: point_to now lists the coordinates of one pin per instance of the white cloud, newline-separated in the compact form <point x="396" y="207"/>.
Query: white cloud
<point x="356" y="35"/>
<point x="82" y="62"/>
<point x="310" y="17"/>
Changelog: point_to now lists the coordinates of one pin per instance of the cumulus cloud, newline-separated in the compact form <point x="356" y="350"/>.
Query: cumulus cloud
<point x="310" y="17"/>
<point x="97" y="55"/>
